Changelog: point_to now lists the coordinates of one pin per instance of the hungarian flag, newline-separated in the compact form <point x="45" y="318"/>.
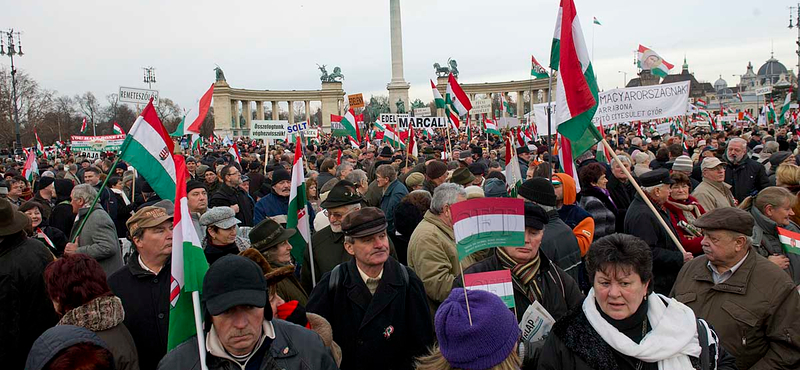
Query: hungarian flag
<point x="118" y="129"/>
<point x="83" y="126"/>
<point x="149" y="149"/>
<point x="234" y="152"/>
<point x="505" y="105"/>
<point x="700" y="103"/>
<point x="566" y="159"/>
<point x="749" y="117"/>
<point x="595" y="21"/>
<point x="195" y="117"/>
<point x="576" y="90"/>
<point x="704" y="113"/>
<point x="188" y="267"/>
<point x="498" y="282"/>
<point x="452" y="117"/>
<point x="789" y="240"/>
<point x="491" y="127"/>
<point x="437" y="96"/>
<point x="456" y="98"/>
<point x="31" y="166"/>
<point x="377" y="132"/>
<point x="349" y="123"/>
<point x="771" y="111"/>
<point x="784" y="109"/>
<point x="512" y="171"/>
<point x="739" y="96"/>
<point x="353" y="142"/>
<point x="488" y="222"/>
<point x="602" y="155"/>
<point x="649" y="60"/>
<point x="197" y="141"/>
<point x="413" y="148"/>
<point x="537" y="71"/>
<point x="39" y="146"/>
<point x="297" y="217"/>
<point x="393" y="138"/>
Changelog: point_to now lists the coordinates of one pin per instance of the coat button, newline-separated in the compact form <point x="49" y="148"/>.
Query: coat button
<point x="161" y="316"/>
<point x="155" y="281"/>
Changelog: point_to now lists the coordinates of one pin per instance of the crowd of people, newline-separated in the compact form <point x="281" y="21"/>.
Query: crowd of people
<point x="678" y="253"/>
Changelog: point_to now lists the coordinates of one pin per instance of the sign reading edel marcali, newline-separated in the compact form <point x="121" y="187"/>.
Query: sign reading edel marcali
<point x="137" y="96"/>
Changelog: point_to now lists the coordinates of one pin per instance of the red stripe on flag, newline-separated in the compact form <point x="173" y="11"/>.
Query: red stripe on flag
<point x="579" y="96"/>
<point x="151" y="118"/>
<point x="460" y="95"/>
<point x="491" y="277"/>
<point x="205" y="102"/>
<point x="487" y="206"/>
<point x="788" y="233"/>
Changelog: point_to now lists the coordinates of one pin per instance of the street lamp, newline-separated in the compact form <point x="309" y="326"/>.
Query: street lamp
<point x="7" y="39"/>
<point x="624" y="78"/>
<point x="797" y="24"/>
<point x="149" y="76"/>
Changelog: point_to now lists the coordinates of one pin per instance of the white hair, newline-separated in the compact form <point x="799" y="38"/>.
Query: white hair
<point x="85" y="192"/>
<point x="446" y="194"/>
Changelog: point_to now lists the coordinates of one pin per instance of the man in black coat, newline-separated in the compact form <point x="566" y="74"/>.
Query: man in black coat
<point x="143" y="284"/>
<point x="642" y="223"/>
<point x="620" y="189"/>
<point x="745" y="176"/>
<point x="230" y="195"/>
<point x="25" y="309"/>
<point x="377" y="307"/>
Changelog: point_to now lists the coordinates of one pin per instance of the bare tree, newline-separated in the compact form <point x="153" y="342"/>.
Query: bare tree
<point x="90" y="107"/>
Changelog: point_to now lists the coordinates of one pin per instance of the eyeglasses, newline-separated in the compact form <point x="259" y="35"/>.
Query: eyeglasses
<point x="336" y="215"/>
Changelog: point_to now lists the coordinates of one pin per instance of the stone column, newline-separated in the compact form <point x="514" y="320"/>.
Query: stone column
<point x="222" y="108"/>
<point x="398" y="87"/>
<point x="234" y="114"/>
<point x="521" y="106"/>
<point x="330" y="96"/>
<point x="308" y="112"/>
<point x="275" y="111"/>
<point x="259" y="110"/>
<point x="502" y="108"/>
<point x="247" y="112"/>
<point x="291" y="112"/>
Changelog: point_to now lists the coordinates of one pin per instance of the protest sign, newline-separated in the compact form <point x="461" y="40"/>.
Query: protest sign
<point x="391" y="118"/>
<point x="642" y="103"/>
<point x="486" y="223"/>
<point x="481" y="106"/>
<point x="356" y="101"/>
<point x="663" y="128"/>
<point x="268" y="129"/>
<point x="422" y="122"/>
<point x="96" y="144"/>
<point x="497" y="282"/>
<point x="422" y="112"/>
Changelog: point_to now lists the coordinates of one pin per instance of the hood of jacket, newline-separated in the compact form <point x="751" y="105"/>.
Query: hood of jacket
<point x="568" y="187"/>
<point x="762" y="221"/>
<point x="56" y="339"/>
<point x="101" y="313"/>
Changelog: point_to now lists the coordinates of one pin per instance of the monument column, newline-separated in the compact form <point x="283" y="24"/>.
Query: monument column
<point x="259" y="110"/>
<point x="398" y="87"/>
<point x="222" y="107"/>
<point x="234" y="114"/>
<point x="291" y="112"/>
<point x="275" y="111"/>
<point x="521" y="105"/>
<point x="247" y="112"/>
<point x="308" y="112"/>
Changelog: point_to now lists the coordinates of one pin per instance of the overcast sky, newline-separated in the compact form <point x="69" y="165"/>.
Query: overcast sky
<point x="80" y="45"/>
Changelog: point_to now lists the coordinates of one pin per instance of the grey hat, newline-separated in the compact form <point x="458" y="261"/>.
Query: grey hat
<point x="683" y="164"/>
<point x="494" y="188"/>
<point x="221" y="217"/>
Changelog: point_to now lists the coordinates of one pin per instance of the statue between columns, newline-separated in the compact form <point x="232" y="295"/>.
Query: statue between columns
<point x="336" y="76"/>
<point x="451" y="67"/>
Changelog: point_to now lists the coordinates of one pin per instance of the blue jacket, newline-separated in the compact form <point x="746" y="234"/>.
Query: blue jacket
<point x="275" y="206"/>
<point x="394" y="193"/>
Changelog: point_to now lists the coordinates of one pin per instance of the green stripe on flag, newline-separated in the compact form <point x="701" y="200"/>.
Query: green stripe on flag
<point x="181" y="319"/>
<point x="793" y="249"/>
<point x="151" y="169"/>
<point x="555" y="54"/>
<point x="580" y="130"/>
<point x="485" y="240"/>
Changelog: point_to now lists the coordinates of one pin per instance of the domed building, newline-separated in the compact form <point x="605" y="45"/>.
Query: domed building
<point x="770" y="73"/>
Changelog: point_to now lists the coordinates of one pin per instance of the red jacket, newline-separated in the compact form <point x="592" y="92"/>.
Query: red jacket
<point x="676" y="214"/>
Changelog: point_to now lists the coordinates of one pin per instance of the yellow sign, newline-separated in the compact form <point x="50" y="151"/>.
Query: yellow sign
<point x="356" y="100"/>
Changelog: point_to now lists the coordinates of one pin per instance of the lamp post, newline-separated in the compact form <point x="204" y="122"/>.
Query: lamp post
<point x="149" y="76"/>
<point x="624" y="77"/>
<point x="792" y="14"/>
<point x="7" y="39"/>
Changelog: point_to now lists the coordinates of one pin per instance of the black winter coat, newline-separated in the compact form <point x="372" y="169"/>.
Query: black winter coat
<point x="622" y="194"/>
<point x="667" y="259"/>
<point x="62" y="217"/>
<point x="746" y="178"/>
<point x="145" y="298"/>
<point x="25" y="309"/>
<point x="384" y="331"/>
<point x="227" y="196"/>
<point x="560" y="246"/>
<point x="560" y="293"/>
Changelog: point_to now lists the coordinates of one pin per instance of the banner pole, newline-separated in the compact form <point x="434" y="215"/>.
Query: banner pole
<point x="645" y="198"/>
<point x="198" y="324"/>
<point x="464" y="284"/>
<point x="549" y="124"/>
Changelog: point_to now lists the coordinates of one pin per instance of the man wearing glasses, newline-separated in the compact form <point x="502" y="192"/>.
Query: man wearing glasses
<point x="231" y="195"/>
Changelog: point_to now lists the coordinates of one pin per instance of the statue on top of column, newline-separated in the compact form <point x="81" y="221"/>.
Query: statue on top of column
<point x="450" y="67"/>
<point x="220" y="74"/>
<point x="336" y="76"/>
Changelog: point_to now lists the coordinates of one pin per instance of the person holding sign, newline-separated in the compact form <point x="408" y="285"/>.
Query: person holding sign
<point x="534" y="277"/>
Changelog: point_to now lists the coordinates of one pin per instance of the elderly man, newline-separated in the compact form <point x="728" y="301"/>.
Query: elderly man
<point x="432" y="247"/>
<point x="243" y="333"/>
<point x="231" y="195"/>
<point x="359" y="179"/>
<point x="524" y="158"/>
<point x="749" y="300"/>
<point x="276" y="204"/>
<point x="393" y="193"/>
<point x="435" y="175"/>
<point x="98" y="238"/>
<point x="620" y="188"/>
<point x="713" y="192"/>
<point x="745" y="175"/>
<point x="143" y="284"/>
<point x="641" y="222"/>
<point x="376" y="306"/>
<point x="343" y="170"/>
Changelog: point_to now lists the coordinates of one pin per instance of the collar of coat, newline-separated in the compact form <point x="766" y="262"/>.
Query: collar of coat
<point x="373" y="304"/>
<point x="99" y="314"/>
<point x="737" y="283"/>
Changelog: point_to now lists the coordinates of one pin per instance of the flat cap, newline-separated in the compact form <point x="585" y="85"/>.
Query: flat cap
<point x="414" y="179"/>
<point x="727" y="218"/>
<point x="710" y="162"/>
<point x="462" y="176"/>
<point x="364" y="222"/>
<point x="150" y="216"/>
<point x="221" y="217"/>
<point x="655" y="177"/>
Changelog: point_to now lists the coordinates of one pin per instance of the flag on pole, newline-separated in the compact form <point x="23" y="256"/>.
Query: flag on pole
<point x="505" y="105"/>
<point x="353" y="142"/>
<point x="349" y="123"/>
<point x="118" y="129"/>
<point x="700" y="103"/>
<point x="498" y="282"/>
<point x="602" y="155"/>
<point x="749" y="117"/>
<point x="391" y="136"/>
<point x="483" y="223"/>
<point x="197" y="141"/>
<point x="785" y="109"/>
<point x="195" y="117"/>
<point x="83" y="126"/>
<point x="537" y="71"/>
<point x="595" y="21"/>
<point x="188" y="267"/>
<point x="149" y="149"/>
<point x="413" y="148"/>
<point x="452" y="117"/>
<point x="771" y="111"/>
<point x="566" y="159"/>
<point x="576" y="90"/>
<point x="739" y="96"/>
<point x="437" y="96"/>
<point x="491" y="127"/>
<point x="456" y="97"/>
<point x="298" y="217"/>
<point x="512" y="171"/>
<point x="234" y="152"/>
<point x="39" y="146"/>
<point x="31" y="165"/>
<point x="789" y="240"/>
<point x="649" y="60"/>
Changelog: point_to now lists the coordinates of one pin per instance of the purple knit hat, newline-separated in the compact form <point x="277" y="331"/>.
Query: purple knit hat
<point x="490" y="339"/>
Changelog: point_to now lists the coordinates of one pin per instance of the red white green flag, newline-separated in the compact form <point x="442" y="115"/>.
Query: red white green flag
<point x="118" y="129"/>
<point x="576" y="90"/>
<point x="234" y="152"/>
<point x="456" y="97"/>
<point x="650" y="60"/>
<point x="83" y="126"/>
<point x="298" y="217"/>
<point x="789" y="240"/>
<point x="437" y="96"/>
<point x="567" y="160"/>
<point x="413" y="148"/>
<point x="350" y="124"/>
<point x="188" y="268"/>
<point x="31" y="165"/>
<point x="700" y="103"/>
<point x="195" y="117"/>
<point x="491" y="127"/>
<point x="353" y="142"/>
<point x="537" y="71"/>
<point x="393" y="138"/>
<point x="39" y="146"/>
<point x="483" y="223"/>
<point x="149" y="149"/>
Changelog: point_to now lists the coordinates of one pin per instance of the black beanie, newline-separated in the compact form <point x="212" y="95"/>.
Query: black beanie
<point x="194" y="184"/>
<point x="45" y="182"/>
<point x="539" y="190"/>
<point x="280" y="175"/>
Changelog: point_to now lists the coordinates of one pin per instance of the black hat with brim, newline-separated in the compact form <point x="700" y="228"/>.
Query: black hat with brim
<point x="342" y="194"/>
<point x="11" y="221"/>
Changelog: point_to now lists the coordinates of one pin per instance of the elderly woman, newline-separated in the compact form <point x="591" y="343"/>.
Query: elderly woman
<point x="53" y="238"/>
<point x="272" y="241"/>
<point x="221" y="234"/>
<point x="683" y="209"/>
<point x="81" y="296"/>
<point x="596" y="199"/>
<point x="623" y="324"/>
<point x="641" y="163"/>
<point x="787" y="176"/>
<point x="772" y="208"/>
<point x="534" y="277"/>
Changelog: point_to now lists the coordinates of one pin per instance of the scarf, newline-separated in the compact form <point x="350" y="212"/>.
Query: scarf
<point x="523" y="275"/>
<point x="101" y="313"/>
<point x="123" y="195"/>
<point x="671" y="341"/>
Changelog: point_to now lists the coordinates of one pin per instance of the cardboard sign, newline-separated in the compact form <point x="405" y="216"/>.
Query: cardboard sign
<point x="422" y="122"/>
<point x="481" y="106"/>
<point x="391" y="118"/>
<point x="96" y="144"/>
<point x="422" y="112"/>
<point x="268" y="129"/>
<point x="356" y="100"/>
